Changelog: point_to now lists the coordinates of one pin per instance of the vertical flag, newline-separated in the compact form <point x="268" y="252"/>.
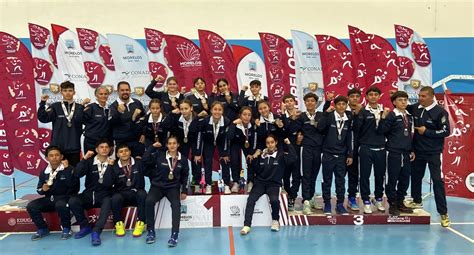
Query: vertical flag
<point x="414" y="61"/>
<point x="280" y="68"/>
<point x="338" y="68"/>
<point x="217" y="59"/>
<point x="250" y="67"/>
<point x="155" y="46"/>
<point x="184" y="58"/>
<point x="309" y="75"/>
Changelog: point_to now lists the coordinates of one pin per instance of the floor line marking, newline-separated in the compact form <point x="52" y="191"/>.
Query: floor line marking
<point x="460" y="234"/>
<point x="231" y="240"/>
<point x="5" y="236"/>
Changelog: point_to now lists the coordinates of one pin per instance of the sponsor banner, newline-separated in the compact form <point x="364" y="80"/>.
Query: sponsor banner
<point x="17" y="101"/>
<point x="155" y="46"/>
<point x="250" y="67"/>
<point x="337" y="64"/>
<point x="217" y="59"/>
<point x="98" y="61"/>
<point x="233" y="211"/>
<point x="457" y="168"/>
<point x="414" y="61"/>
<point x="184" y="58"/>
<point x="280" y="68"/>
<point x="309" y="73"/>
<point x="70" y="63"/>
<point x="131" y="65"/>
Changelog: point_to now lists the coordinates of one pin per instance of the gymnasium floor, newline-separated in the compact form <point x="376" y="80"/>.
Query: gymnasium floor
<point x="365" y="239"/>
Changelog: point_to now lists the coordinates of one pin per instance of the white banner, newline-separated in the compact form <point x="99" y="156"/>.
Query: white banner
<point x="251" y="67"/>
<point x="309" y="75"/>
<point x="131" y="64"/>
<point x="70" y="64"/>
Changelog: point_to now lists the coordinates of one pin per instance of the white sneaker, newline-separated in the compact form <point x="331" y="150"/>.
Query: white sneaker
<point x="208" y="189"/>
<point x="275" y="226"/>
<point x="378" y="204"/>
<point x="367" y="208"/>
<point x="414" y="205"/>
<point x="245" y="230"/>
<point x="315" y="204"/>
<point x="197" y="189"/>
<point x="235" y="188"/>
<point x="249" y="187"/>
<point x="306" y="207"/>
<point x="227" y="190"/>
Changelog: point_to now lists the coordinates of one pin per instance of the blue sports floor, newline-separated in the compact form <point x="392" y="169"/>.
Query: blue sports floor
<point x="366" y="239"/>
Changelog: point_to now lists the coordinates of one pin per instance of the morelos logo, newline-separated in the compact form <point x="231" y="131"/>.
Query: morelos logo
<point x="39" y="36"/>
<point x="69" y="44"/>
<point x="309" y="45"/>
<point x="252" y="66"/>
<point x="188" y="52"/>
<point x="88" y="39"/>
<point x="129" y="48"/>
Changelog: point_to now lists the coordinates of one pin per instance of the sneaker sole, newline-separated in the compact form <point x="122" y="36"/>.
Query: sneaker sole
<point x="150" y="242"/>
<point x="244" y="233"/>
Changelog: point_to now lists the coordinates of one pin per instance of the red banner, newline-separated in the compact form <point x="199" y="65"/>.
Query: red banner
<point x="155" y="44"/>
<point x="17" y="100"/>
<point x="280" y="68"/>
<point x="217" y="59"/>
<point x="457" y="167"/>
<point x="336" y="61"/>
<point x="184" y="59"/>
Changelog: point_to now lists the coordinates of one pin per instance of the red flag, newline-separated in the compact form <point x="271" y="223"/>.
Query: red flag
<point x="184" y="59"/>
<point x="336" y="61"/>
<point x="457" y="167"/>
<point x="17" y="100"/>
<point x="280" y="68"/>
<point x="217" y="59"/>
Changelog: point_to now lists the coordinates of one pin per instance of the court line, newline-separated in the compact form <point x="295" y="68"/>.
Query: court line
<point x="5" y="236"/>
<point x="231" y="240"/>
<point x="454" y="223"/>
<point x="460" y="234"/>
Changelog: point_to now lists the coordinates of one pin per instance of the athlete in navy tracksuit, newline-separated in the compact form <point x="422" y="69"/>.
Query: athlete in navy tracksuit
<point x="96" y="120"/>
<point x="98" y="189"/>
<point x="168" y="172"/>
<point x="56" y="183"/>
<point x="432" y="126"/>
<point x="270" y="167"/>
<point x="129" y="190"/>
<point x="66" y="117"/>
<point x="337" y="152"/>
<point x="186" y="126"/>
<point x="199" y="98"/>
<point x="267" y="124"/>
<point x="229" y="100"/>
<point x="371" y="149"/>
<point x="307" y="123"/>
<point x="398" y="129"/>
<point x="126" y="113"/>
<point x="169" y="99"/>
<point x="156" y="129"/>
<point x="214" y="135"/>
<point x="252" y="100"/>
<point x="242" y="138"/>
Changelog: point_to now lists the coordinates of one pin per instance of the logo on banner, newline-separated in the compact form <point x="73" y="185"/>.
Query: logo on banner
<point x="44" y="138"/>
<point x="27" y="135"/>
<point x="403" y="36"/>
<point x="9" y="44"/>
<point x="39" y="36"/>
<point x="188" y="52"/>
<point x="271" y="41"/>
<point x="421" y="54"/>
<point x="129" y="48"/>
<point x="5" y="169"/>
<point x="217" y="65"/>
<point x="3" y="134"/>
<point x="106" y="56"/>
<point x="274" y="57"/>
<point x="43" y="71"/>
<point x="88" y="39"/>
<point x="218" y="44"/>
<point x="14" y="67"/>
<point x="29" y="161"/>
<point x="22" y="112"/>
<point x="277" y="90"/>
<point x="17" y="90"/>
<point x="406" y="68"/>
<point x="69" y="44"/>
<point x="52" y="54"/>
<point x="252" y="66"/>
<point x="154" y="40"/>
<point x="95" y="73"/>
<point x="276" y="73"/>
<point x="470" y="182"/>
<point x="234" y="211"/>
<point x="309" y="45"/>
<point x="158" y="69"/>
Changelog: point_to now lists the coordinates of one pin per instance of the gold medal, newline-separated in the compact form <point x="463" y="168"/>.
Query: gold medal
<point x="170" y="176"/>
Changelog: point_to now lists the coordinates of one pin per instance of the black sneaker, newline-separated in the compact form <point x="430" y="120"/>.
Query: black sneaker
<point x="404" y="209"/>
<point x="291" y="204"/>
<point x="393" y="210"/>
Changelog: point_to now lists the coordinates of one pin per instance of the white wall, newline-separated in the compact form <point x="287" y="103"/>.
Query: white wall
<point x="242" y="19"/>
